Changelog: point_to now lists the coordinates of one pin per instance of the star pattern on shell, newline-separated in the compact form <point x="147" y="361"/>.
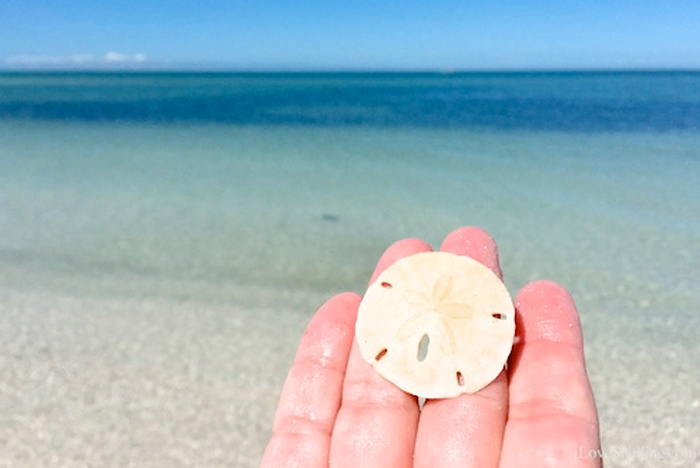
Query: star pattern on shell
<point x="437" y="312"/>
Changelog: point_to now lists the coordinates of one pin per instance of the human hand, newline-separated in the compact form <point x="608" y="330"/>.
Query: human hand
<point x="336" y="411"/>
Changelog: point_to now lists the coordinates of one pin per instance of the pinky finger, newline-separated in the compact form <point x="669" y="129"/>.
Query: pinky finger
<point x="552" y="417"/>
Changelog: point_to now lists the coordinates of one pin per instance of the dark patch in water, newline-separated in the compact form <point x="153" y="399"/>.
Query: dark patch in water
<point x="330" y="217"/>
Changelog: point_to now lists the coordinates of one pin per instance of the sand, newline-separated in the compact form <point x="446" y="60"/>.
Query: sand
<point x="147" y="383"/>
<point x="162" y="382"/>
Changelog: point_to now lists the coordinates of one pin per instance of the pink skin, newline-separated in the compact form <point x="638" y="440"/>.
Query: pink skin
<point x="336" y="411"/>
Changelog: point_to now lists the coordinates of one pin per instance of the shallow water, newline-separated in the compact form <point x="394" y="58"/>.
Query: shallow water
<point x="312" y="208"/>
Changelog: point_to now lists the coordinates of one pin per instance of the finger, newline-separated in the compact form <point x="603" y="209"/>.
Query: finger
<point x="552" y="416"/>
<point x="376" y="424"/>
<point x="466" y="431"/>
<point x="311" y="395"/>
<point x="396" y="251"/>
<point x="475" y="243"/>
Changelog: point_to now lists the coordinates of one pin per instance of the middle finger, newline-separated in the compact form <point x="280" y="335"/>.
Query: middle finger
<point x="376" y="423"/>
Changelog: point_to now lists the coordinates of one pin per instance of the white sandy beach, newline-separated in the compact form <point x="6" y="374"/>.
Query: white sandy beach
<point x="156" y="382"/>
<point x="138" y="382"/>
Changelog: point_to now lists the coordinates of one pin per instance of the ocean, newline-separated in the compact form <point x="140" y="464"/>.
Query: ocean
<point x="257" y="195"/>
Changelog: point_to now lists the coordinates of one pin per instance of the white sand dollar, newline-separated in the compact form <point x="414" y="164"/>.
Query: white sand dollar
<point x="437" y="325"/>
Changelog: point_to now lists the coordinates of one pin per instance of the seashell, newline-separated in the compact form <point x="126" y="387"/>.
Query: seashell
<point x="437" y="325"/>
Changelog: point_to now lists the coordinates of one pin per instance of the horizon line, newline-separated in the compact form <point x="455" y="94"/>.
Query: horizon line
<point x="342" y="70"/>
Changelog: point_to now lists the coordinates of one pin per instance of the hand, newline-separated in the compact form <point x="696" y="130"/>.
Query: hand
<point x="336" y="411"/>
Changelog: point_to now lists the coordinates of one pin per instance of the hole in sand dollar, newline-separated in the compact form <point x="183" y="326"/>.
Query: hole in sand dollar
<point x="380" y="354"/>
<point x="460" y="379"/>
<point x="499" y="316"/>
<point x="387" y="285"/>
<point x="423" y="348"/>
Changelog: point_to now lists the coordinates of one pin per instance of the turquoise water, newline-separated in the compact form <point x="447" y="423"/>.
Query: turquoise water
<point x="152" y="184"/>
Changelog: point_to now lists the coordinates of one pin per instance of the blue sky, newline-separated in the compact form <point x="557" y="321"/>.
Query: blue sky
<point x="350" y="35"/>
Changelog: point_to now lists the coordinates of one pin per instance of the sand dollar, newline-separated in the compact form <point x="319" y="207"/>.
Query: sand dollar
<point x="437" y="325"/>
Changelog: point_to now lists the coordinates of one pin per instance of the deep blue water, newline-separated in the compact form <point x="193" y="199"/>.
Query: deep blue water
<point x="595" y="101"/>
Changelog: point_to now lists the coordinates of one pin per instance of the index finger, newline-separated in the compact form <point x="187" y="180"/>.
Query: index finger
<point x="312" y="392"/>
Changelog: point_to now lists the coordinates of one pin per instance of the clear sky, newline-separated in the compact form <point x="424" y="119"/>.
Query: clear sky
<point x="351" y="34"/>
